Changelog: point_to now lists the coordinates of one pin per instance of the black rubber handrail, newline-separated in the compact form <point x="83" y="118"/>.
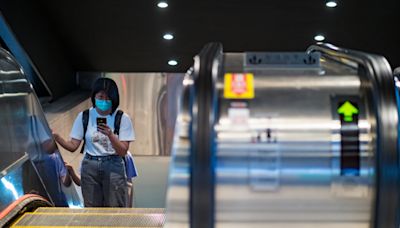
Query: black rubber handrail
<point x="207" y="66"/>
<point x="26" y="203"/>
<point x="378" y="79"/>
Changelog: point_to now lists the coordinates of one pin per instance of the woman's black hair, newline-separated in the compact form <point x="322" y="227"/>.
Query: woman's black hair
<point x="110" y="88"/>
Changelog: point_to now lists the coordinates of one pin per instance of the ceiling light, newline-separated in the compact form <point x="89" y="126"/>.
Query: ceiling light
<point x="319" y="38"/>
<point x="168" y="36"/>
<point x="331" y="4"/>
<point x="172" y="62"/>
<point x="162" y="5"/>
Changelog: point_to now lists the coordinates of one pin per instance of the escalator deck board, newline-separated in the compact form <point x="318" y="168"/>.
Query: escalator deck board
<point x="115" y="210"/>
<point x="36" y="219"/>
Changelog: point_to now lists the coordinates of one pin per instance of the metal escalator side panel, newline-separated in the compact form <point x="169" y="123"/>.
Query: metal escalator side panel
<point x="177" y="213"/>
<point x="26" y="129"/>
<point x="279" y="153"/>
<point x="290" y="153"/>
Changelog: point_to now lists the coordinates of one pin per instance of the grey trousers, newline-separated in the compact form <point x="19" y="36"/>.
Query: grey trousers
<point x="103" y="182"/>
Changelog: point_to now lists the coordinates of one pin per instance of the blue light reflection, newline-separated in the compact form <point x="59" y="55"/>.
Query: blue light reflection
<point x="10" y="187"/>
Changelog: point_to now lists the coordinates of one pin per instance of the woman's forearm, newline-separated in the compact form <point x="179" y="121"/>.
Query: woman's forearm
<point x="70" y="145"/>
<point x="121" y="147"/>
<point x="75" y="178"/>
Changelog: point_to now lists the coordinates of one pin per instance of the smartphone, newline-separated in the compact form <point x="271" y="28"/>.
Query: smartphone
<point x="101" y="121"/>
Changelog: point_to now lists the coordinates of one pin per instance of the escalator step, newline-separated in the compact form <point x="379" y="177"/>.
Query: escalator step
<point x="101" y="210"/>
<point x="38" y="219"/>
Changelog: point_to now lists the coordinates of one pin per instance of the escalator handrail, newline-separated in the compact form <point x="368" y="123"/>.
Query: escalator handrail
<point x="207" y="67"/>
<point x="18" y="207"/>
<point x="379" y="79"/>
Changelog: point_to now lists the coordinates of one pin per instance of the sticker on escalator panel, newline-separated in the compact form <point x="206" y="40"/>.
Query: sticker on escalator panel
<point x="239" y="86"/>
<point x="239" y="116"/>
<point x="348" y="110"/>
<point x="349" y="180"/>
<point x="350" y="138"/>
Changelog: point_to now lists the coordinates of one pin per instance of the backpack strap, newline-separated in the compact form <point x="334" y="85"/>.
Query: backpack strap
<point x="117" y="121"/>
<point x="85" y="121"/>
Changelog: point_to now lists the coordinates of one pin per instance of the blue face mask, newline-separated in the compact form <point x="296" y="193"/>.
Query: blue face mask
<point x="103" y="105"/>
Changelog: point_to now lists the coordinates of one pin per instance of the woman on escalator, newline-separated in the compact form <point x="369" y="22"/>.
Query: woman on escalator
<point x="103" y="177"/>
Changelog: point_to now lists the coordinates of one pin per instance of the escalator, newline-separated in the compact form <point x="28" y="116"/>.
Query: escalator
<point x="32" y="185"/>
<point x="267" y="139"/>
<point x="302" y="139"/>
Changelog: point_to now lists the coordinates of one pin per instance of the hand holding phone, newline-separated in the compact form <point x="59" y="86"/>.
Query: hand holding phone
<point x="102" y="126"/>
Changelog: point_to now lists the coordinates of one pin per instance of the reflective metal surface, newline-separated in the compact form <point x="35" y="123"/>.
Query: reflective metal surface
<point x="377" y="82"/>
<point x="281" y="161"/>
<point x="279" y="157"/>
<point x="179" y="173"/>
<point x="143" y="97"/>
<point x="25" y="130"/>
<point x="19" y="178"/>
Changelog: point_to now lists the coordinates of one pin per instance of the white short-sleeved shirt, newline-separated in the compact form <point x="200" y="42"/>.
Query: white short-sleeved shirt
<point x="96" y="143"/>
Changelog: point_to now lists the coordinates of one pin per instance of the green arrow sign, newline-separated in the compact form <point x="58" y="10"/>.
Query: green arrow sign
<point x="348" y="110"/>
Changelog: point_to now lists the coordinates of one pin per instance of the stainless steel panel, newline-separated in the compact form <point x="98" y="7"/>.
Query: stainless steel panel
<point x="179" y="173"/>
<point x="292" y="176"/>
<point x="150" y="99"/>
<point x="142" y="96"/>
<point x="295" y="177"/>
